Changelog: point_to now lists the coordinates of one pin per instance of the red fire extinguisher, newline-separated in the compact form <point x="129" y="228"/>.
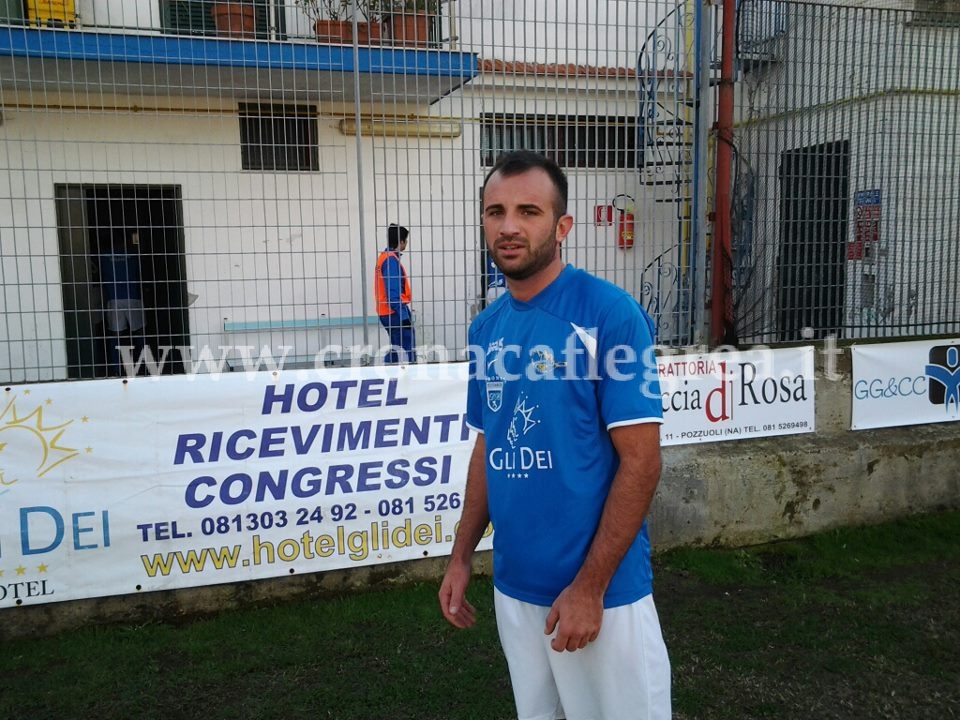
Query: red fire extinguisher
<point x="625" y="228"/>
<point x="626" y="223"/>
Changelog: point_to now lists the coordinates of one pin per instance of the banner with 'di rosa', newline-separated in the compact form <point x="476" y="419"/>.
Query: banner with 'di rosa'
<point x="736" y="395"/>
<point x="906" y="383"/>
<point x="111" y="487"/>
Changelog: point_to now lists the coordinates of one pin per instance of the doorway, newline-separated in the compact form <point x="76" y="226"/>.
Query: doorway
<point x="123" y="276"/>
<point x="814" y="187"/>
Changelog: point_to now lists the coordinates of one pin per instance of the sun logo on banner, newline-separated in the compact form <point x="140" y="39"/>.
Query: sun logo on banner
<point x="28" y="447"/>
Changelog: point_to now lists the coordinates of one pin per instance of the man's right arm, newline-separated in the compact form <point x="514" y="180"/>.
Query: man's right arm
<point x="474" y="520"/>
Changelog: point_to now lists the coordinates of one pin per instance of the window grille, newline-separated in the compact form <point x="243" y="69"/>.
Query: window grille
<point x="279" y="137"/>
<point x="759" y="22"/>
<point x="573" y="141"/>
<point x="193" y="17"/>
<point x="937" y="12"/>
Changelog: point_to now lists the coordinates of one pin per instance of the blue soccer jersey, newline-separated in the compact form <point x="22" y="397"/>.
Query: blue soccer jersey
<point x="549" y="377"/>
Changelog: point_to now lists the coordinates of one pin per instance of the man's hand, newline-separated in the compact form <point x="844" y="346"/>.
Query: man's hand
<point x="577" y="615"/>
<point x="453" y="601"/>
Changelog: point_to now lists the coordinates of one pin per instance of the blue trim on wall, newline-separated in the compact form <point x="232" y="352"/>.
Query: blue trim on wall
<point x="181" y="50"/>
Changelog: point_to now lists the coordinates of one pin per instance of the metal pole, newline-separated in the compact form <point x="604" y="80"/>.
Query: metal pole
<point x="698" y="263"/>
<point x="361" y="206"/>
<point x="721" y="296"/>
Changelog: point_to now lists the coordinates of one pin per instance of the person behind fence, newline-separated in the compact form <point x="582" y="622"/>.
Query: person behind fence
<point x="124" y="314"/>
<point x="392" y="293"/>
<point x="564" y="397"/>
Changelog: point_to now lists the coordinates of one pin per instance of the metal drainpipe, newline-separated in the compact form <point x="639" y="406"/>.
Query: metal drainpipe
<point x="721" y="298"/>
<point x="698" y="262"/>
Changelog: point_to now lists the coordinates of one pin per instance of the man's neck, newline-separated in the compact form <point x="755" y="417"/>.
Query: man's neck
<point x="528" y="288"/>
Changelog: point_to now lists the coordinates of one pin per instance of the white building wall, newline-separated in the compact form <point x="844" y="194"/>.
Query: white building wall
<point x="920" y="250"/>
<point x="285" y="230"/>
<point x="608" y="33"/>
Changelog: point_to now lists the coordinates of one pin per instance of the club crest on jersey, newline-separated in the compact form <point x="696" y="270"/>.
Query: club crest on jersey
<point x="494" y="385"/>
<point x="494" y="395"/>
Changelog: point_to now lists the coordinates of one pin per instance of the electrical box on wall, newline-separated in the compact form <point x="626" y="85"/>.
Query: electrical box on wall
<point x="52" y="13"/>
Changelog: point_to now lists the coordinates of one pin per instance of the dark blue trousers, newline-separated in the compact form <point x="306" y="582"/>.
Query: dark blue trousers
<point x="401" y="340"/>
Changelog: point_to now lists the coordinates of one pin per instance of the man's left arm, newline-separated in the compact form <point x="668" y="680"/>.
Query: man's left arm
<point x="579" y="608"/>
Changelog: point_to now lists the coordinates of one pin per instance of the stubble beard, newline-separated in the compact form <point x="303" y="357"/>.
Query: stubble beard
<point x="540" y="258"/>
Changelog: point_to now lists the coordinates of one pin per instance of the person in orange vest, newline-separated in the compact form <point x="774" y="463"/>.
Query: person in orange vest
<point x="391" y="287"/>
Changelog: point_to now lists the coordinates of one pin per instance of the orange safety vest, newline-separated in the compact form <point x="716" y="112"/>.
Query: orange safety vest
<point x="380" y="287"/>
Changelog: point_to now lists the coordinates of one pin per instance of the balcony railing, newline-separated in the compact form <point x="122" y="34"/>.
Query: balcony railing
<point x="176" y="48"/>
<point x="277" y="20"/>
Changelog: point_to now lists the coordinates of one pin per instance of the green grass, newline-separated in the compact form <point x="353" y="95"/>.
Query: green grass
<point x="853" y="623"/>
<point x="846" y="552"/>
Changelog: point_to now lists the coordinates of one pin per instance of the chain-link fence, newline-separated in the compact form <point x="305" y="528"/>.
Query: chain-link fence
<point x="846" y="202"/>
<point x="209" y="183"/>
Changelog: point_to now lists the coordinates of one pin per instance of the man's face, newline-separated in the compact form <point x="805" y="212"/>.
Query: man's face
<point x="520" y="224"/>
<point x="402" y="245"/>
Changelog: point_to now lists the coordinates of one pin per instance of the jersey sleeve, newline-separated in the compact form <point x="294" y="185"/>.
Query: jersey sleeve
<point x="629" y="391"/>
<point x="474" y="417"/>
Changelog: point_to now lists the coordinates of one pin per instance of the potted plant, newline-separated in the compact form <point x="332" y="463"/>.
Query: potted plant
<point x="333" y="20"/>
<point x="408" y="22"/>
<point x="234" y="19"/>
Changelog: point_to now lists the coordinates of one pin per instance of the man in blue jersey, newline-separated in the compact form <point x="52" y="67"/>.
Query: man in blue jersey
<point x="564" y="397"/>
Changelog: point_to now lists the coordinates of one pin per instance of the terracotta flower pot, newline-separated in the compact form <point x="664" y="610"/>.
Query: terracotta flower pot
<point x="410" y="29"/>
<point x="340" y="32"/>
<point x="371" y="33"/>
<point x="234" y="19"/>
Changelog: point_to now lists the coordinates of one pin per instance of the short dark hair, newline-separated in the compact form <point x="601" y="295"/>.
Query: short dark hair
<point x="519" y="161"/>
<point x="395" y="235"/>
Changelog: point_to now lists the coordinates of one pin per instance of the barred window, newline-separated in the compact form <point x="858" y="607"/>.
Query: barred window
<point x="194" y="17"/>
<point x="572" y="141"/>
<point x="279" y="137"/>
<point x="937" y="12"/>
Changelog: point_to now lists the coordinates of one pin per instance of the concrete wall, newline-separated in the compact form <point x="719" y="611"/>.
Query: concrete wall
<point x="729" y="494"/>
<point x="753" y="491"/>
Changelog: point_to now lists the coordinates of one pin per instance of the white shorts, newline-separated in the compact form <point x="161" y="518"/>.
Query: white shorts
<point x="623" y="675"/>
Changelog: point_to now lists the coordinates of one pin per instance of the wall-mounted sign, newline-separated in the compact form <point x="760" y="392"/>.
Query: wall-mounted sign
<point x="866" y="225"/>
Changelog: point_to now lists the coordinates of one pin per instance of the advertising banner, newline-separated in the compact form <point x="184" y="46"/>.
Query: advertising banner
<point x="906" y="383"/>
<point x="112" y="487"/>
<point x="736" y="395"/>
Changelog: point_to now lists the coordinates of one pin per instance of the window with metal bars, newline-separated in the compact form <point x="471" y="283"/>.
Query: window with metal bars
<point x="937" y="12"/>
<point x="194" y="17"/>
<point x="573" y="141"/>
<point x="279" y="137"/>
